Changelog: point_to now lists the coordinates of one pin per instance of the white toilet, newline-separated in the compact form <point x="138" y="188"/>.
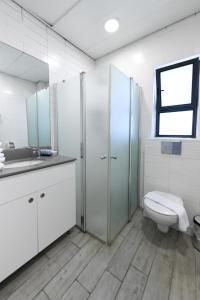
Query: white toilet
<point x="163" y="216"/>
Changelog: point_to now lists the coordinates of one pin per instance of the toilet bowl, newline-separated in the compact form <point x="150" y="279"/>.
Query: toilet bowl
<point x="162" y="216"/>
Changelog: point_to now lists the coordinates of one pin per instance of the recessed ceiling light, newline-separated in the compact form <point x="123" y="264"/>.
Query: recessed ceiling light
<point x="112" y="25"/>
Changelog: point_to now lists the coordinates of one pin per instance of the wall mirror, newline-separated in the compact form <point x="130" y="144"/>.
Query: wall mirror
<point x="24" y="100"/>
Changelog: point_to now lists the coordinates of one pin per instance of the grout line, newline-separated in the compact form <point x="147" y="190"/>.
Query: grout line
<point x="46" y="295"/>
<point x="156" y="254"/>
<point x="173" y="269"/>
<point x="140" y="271"/>
<point x="82" y="285"/>
<point x="60" y="269"/>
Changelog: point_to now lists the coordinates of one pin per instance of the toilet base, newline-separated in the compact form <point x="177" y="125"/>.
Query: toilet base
<point x="163" y="228"/>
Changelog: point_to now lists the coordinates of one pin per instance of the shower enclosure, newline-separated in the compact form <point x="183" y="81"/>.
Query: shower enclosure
<point x="97" y="117"/>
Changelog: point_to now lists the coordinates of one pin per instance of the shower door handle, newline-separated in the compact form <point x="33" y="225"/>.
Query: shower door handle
<point x="103" y="157"/>
<point x="113" y="157"/>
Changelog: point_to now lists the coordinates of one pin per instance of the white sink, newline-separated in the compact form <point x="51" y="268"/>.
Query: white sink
<point x="22" y="164"/>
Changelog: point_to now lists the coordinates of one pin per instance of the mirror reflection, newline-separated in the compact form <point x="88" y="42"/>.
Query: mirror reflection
<point x="24" y="100"/>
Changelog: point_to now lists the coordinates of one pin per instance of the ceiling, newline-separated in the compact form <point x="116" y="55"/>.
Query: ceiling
<point x="82" y="21"/>
<point x="16" y="63"/>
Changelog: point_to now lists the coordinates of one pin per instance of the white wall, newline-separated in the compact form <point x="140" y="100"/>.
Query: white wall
<point x="13" y="121"/>
<point x="22" y="31"/>
<point x="139" y="60"/>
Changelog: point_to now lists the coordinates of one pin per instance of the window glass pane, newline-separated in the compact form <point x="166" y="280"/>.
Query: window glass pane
<point x="176" y="86"/>
<point x="176" y="123"/>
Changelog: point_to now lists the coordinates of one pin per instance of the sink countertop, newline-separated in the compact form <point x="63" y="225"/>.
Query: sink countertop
<point x="48" y="161"/>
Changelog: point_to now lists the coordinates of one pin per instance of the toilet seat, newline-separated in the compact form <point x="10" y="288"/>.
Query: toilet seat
<point x="161" y="215"/>
<point x="158" y="208"/>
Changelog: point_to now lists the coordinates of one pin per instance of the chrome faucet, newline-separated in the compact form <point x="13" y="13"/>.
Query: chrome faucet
<point x="36" y="150"/>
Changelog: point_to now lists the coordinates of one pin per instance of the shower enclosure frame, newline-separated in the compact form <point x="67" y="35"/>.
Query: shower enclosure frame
<point x="83" y="170"/>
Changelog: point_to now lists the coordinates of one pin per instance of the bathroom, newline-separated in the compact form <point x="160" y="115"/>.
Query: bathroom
<point x="61" y="64"/>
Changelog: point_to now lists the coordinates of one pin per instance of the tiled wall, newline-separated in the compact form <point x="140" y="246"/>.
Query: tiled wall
<point x="179" y="175"/>
<point x="22" y="31"/>
<point x="169" y="45"/>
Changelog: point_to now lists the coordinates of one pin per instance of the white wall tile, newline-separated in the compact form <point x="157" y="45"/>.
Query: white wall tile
<point x="157" y="166"/>
<point x="186" y="171"/>
<point x="11" y="31"/>
<point x="35" y="37"/>
<point x="191" y="149"/>
<point x="22" y="31"/>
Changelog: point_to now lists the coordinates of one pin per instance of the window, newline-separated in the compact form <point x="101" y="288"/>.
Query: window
<point x="177" y="99"/>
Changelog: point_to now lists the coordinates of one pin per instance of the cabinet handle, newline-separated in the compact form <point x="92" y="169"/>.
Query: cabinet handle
<point x="42" y="195"/>
<point x="30" y="200"/>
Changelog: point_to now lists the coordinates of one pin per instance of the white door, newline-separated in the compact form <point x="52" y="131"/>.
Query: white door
<point x="18" y="234"/>
<point x="56" y="211"/>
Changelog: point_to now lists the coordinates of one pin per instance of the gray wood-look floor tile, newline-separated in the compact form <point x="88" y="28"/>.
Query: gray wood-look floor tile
<point x="168" y="243"/>
<point x="133" y="285"/>
<point x="58" y="246"/>
<point x="61" y="254"/>
<point x="106" y="289"/>
<point x="62" y="281"/>
<point x="120" y="262"/>
<point x="147" y="250"/>
<point x="20" y="277"/>
<point x="41" y="296"/>
<point x="80" y="239"/>
<point x="76" y="292"/>
<point x="183" y="282"/>
<point x="43" y="275"/>
<point x="98" y="265"/>
<point x="141" y="264"/>
<point x="136" y="221"/>
<point x="159" y="281"/>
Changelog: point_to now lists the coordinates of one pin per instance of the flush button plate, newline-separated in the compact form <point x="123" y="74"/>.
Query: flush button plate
<point x="173" y="148"/>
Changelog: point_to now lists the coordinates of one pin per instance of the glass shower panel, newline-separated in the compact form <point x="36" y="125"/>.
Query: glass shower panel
<point x="69" y="130"/>
<point x="134" y="146"/>
<point x="119" y="150"/>
<point x="97" y="137"/>
<point x="31" y="110"/>
<point x="44" y="127"/>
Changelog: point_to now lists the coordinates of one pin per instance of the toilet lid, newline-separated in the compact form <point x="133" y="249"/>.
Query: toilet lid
<point x="158" y="208"/>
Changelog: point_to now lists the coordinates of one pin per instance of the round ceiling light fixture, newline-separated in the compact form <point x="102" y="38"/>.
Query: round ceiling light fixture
<point x="111" y="25"/>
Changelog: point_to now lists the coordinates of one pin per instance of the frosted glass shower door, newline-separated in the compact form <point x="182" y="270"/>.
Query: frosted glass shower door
<point x="69" y="131"/>
<point x="31" y="111"/>
<point x="119" y="150"/>
<point x="134" y="148"/>
<point x="97" y="140"/>
<point x="44" y="127"/>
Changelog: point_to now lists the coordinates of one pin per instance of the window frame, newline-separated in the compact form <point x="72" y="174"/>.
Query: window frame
<point x="180" y="107"/>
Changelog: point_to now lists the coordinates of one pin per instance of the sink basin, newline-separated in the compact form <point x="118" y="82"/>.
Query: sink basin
<point x="22" y="164"/>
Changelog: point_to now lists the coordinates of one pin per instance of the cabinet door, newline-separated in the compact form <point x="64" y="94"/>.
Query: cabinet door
<point x="18" y="232"/>
<point x="56" y="211"/>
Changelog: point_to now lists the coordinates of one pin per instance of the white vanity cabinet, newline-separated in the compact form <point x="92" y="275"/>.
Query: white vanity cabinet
<point x="56" y="211"/>
<point x="18" y="232"/>
<point x="35" y="209"/>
